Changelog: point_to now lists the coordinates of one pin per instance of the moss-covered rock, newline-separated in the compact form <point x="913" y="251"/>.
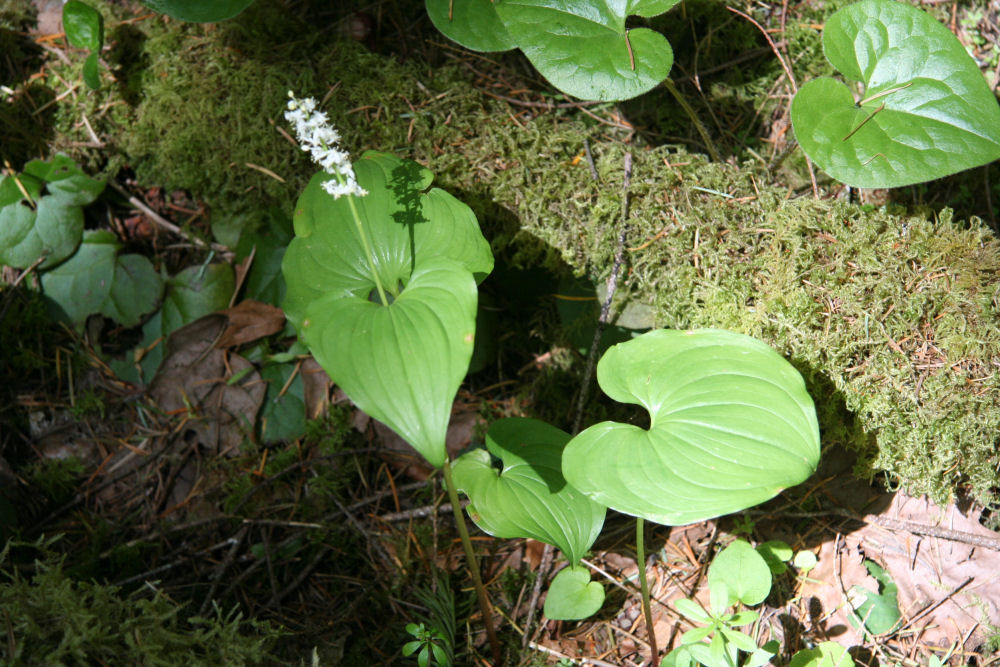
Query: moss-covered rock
<point x="893" y="320"/>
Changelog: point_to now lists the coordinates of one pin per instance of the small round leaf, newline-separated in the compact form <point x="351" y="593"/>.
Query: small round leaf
<point x="572" y="595"/>
<point x="83" y="25"/>
<point x="744" y="572"/>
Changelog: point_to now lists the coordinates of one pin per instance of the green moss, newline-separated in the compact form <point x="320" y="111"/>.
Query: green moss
<point x="53" y="620"/>
<point x="893" y="320"/>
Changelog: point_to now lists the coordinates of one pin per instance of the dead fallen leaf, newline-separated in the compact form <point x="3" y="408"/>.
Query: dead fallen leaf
<point x="249" y="321"/>
<point x="200" y="381"/>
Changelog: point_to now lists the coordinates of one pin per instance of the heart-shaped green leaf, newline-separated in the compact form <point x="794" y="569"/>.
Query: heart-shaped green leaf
<point x="584" y="48"/>
<point x="404" y="222"/>
<point x="744" y="572"/>
<point x="199" y="11"/>
<point x="572" y="595"/>
<point x="731" y="425"/>
<point x="96" y="279"/>
<point x="83" y="25"/>
<point x="49" y="220"/>
<point x="926" y="112"/>
<point x="401" y="363"/>
<point x="528" y="496"/>
<point x="472" y="23"/>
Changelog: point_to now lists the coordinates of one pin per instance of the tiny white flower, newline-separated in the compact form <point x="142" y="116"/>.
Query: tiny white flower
<point x="321" y="141"/>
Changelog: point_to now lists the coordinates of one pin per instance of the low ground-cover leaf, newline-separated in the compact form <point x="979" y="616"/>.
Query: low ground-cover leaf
<point x="744" y="572"/>
<point x="927" y="112"/>
<point x="83" y="25"/>
<point x="199" y="11"/>
<point x="96" y="279"/>
<point x="731" y="425"/>
<point x="283" y="414"/>
<point x="878" y="611"/>
<point x="472" y="23"/>
<point x="49" y="221"/>
<point x="192" y="293"/>
<point x="572" y="595"/>
<point x="584" y="48"/>
<point x="826" y="654"/>
<point x="402" y="362"/>
<point x="528" y="496"/>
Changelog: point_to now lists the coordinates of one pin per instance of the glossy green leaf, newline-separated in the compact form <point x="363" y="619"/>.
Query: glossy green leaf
<point x="878" y="611"/>
<point x="92" y="72"/>
<point x="692" y="610"/>
<point x="199" y="11"/>
<point x="731" y="425"/>
<point x="585" y="50"/>
<point x="528" y="496"/>
<point x="926" y="111"/>
<point x="84" y="25"/>
<point x="744" y="572"/>
<point x="401" y="363"/>
<point x="573" y="596"/>
<point x="49" y="221"/>
<point x="96" y="279"/>
<point x="472" y="23"/>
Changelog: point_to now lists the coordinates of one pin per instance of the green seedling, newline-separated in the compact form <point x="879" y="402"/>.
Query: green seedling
<point x="737" y="574"/>
<point x="583" y="48"/>
<point x="731" y="425"/>
<point x="41" y="212"/>
<point x="84" y="27"/>
<point x="427" y="644"/>
<point x="528" y="497"/>
<point x="199" y="11"/>
<point x="926" y="112"/>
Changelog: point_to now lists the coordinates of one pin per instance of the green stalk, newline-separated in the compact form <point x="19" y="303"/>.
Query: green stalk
<point x="714" y="154"/>
<point x="472" y="563"/>
<point x="640" y="555"/>
<point x="368" y="249"/>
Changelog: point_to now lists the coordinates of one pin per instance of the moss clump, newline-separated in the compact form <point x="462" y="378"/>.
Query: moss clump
<point x="893" y="319"/>
<point x="53" y="620"/>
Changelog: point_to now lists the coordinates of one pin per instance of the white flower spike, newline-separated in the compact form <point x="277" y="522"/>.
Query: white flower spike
<point x="322" y="142"/>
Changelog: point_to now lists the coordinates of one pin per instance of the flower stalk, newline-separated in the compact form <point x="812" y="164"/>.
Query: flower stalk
<point x="317" y="137"/>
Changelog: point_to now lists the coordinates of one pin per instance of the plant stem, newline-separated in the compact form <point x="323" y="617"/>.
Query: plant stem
<point x="472" y="564"/>
<point x="640" y="556"/>
<point x="714" y="154"/>
<point x="368" y="249"/>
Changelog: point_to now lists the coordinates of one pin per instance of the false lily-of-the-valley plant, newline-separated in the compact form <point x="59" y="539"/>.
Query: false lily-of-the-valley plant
<point x="382" y="278"/>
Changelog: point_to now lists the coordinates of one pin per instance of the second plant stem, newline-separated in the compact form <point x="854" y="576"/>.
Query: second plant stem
<point x="640" y="556"/>
<point x="473" y="563"/>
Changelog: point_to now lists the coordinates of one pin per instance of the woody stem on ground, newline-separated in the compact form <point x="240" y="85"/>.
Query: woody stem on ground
<point x="640" y="558"/>
<point x="472" y="563"/>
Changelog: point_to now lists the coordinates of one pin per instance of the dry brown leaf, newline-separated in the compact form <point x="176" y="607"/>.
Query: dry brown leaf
<point x="249" y="321"/>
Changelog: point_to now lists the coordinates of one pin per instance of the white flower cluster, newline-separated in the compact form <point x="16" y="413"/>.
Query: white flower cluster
<point x="322" y="141"/>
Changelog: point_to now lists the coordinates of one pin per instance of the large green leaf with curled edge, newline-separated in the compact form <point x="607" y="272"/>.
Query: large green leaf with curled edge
<point x="926" y="110"/>
<point x="401" y="363"/>
<point x="527" y="496"/>
<point x="584" y="48"/>
<point x="731" y="425"/>
<point x="199" y="11"/>
<point x="472" y="23"/>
